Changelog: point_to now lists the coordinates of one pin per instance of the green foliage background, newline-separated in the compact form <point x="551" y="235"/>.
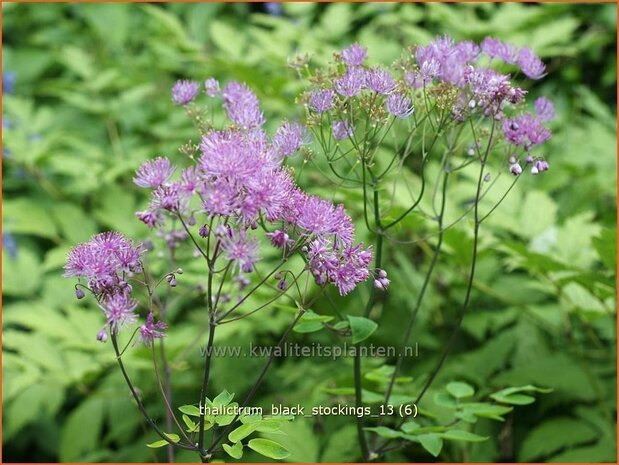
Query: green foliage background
<point x="91" y="102"/>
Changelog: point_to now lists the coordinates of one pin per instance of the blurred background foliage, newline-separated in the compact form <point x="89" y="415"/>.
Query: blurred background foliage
<point x="86" y="100"/>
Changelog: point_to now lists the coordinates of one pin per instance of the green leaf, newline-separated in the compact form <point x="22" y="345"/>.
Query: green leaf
<point x="242" y="432"/>
<point x="157" y="444"/>
<point x="162" y="442"/>
<point x="81" y="430"/>
<point x="190" y="410"/>
<point x="444" y="400"/>
<point x="361" y="327"/>
<point x="268" y="448"/>
<point x="308" y="327"/>
<point x="191" y="426"/>
<point x="227" y="38"/>
<point x="461" y="435"/>
<point x="385" y="432"/>
<point x="460" y="390"/>
<point x="24" y="278"/>
<point x="235" y="451"/>
<point x="513" y="395"/>
<point x="28" y="216"/>
<point x="494" y="412"/>
<point x="433" y="443"/>
<point x="311" y="322"/>
<point x="223" y="399"/>
<point x="553" y="435"/>
<point x="74" y="224"/>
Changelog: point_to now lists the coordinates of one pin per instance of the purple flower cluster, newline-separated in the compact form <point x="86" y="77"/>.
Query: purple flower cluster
<point x="529" y="63"/>
<point x="457" y="72"/>
<point x="106" y="262"/>
<point x="239" y="182"/>
<point x="242" y="105"/>
<point x="354" y="55"/>
<point x="185" y="91"/>
<point x="525" y="130"/>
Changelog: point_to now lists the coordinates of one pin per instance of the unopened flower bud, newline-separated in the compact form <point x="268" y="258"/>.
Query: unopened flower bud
<point x="382" y="273"/>
<point x="487" y="177"/>
<point x="171" y="280"/>
<point x="515" y="169"/>
<point x="384" y="282"/>
<point x="203" y="231"/>
<point x="542" y="165"/>
<point x="79" y="293"/>
<point x="512" y="160"/>
<point x="179" y="271"/>
<point x="102" y="335"/>
<point x="472" y="104"/>
<point x="378" y="284"/>
<point x="191" y="221"/>
<point x="282" y="285"/>
<point x="534" y="170"/>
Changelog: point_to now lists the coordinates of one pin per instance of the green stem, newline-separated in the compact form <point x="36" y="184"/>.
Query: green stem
<point x="148" y="419"/>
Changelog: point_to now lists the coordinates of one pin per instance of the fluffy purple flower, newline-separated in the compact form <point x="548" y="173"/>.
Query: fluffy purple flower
<point x="289" y="138"/>
<point x="220" y="198"/>
<point x="279" y="238"/>
<point x="150" y="218"/>
<point x="240" y="250"/>
<point x="102" y="259"/>
<point x="351" y="83"/>
<point x="344" y="268"/>
<point x="150" y="330"/>
<point x="242" y="105"/>
<point x="153" y="173"/>
<point x="169" y="197"/>
<point x="229" y="154"/>
<point x="495" y="48"/>
<point x="399" y="105"/>
<point x="447" y="59"/>
<point x="320" y="217"/>
<point x="184" y="91"/>
<point x="490" y="89"/>
<point x="544" y="109"/>
<point x="530" y="64"/>
<point x="211" y="85"/>
<point x="119" y="310"/>
<point x="321" y="100"/>
<point x="354" y="55"/>
<point x="380" y="81"/>
<point x="525" y="130"/>
<point x="342" y="130"/>
<point x="269" y="191"/>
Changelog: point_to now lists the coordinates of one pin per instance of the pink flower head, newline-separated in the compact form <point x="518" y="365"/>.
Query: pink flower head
<point x="184" y="91"/>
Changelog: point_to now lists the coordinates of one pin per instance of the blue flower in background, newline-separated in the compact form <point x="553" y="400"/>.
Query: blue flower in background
<point x="6" y="124"/>
<point x="8" y="82"/>
<point x="274" y="8"/>
<point x="9" y="244"/>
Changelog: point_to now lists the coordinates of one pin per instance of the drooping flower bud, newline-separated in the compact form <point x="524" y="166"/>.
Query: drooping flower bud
<point x="79" y="293"/>
<point x="102" y="335"/>
<point x="516" y="169"/>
